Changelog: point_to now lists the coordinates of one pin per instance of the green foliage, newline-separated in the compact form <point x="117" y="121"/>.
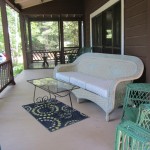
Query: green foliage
<point x="15" y="39"/>
<point x="71" y="36"/>
<point x="45" y="35"/>
<point x="1" y="35"/>
<point x="17" y="69"/>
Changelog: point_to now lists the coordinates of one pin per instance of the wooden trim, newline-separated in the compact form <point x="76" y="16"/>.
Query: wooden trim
<point x="62" y="41"/>
<point x="30" y="36"/>
<point x="30" y="59"/>
<point x="55" y="17"/>
<point x="104" y="7"/>
<point x="148" y="53"/>
<point x="122" y="27"/>
<point x="80" y="29"/>
<point x="13" y="6"/>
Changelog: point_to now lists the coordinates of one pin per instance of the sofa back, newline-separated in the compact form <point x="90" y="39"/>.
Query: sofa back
<point x="110" y="66"/>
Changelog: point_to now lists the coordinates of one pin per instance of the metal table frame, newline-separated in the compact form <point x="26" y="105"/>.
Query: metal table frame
<point x="47" y="87"/>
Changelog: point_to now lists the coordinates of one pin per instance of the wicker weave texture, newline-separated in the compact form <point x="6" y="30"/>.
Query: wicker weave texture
<point x="136" y="94"/>
<point x="144" y="116"/>
<point x="130" y="136"/>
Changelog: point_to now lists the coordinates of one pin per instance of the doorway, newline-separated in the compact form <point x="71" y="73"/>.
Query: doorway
<point x="54" y="38"/>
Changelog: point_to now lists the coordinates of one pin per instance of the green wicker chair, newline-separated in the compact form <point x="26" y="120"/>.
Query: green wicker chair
<point x="133" y="133"/>
<point x="135" y="136"/>
<point x="136" y="94"/>
<point x="130" y="136"/>
<point x="144" y="116"/>
<point x="72" y="57"/>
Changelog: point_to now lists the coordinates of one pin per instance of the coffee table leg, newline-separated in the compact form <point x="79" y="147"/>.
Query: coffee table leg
<point x="71" y="106"/>
<point x="70" y="100"/>
<point x="50" y="95"/>
<point x="34" y="94"/>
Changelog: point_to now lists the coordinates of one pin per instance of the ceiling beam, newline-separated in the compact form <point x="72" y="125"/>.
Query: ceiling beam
<point x="13" y="5"/>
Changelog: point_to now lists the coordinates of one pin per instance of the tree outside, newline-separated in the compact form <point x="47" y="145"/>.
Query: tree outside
<point x="45" y="35"/>
<point x="71" y="34"/>
<point x="2" y="49"/>
<point x="15" y="40"/>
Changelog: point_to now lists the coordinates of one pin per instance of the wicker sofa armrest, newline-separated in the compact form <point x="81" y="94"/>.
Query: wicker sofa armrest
<point x="117" y="91"/>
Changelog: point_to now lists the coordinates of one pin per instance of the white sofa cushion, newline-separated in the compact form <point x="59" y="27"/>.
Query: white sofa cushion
<point x="90" y="83"/>
<point x="93" y="84"/>
<point x="99" y="86"/>
<point x="75" y="78"/>
<point x="80" y="79"/>
<point x="65" y="76"/>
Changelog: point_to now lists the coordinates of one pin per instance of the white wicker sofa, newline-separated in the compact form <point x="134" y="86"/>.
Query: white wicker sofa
<point x="102" y="78"/>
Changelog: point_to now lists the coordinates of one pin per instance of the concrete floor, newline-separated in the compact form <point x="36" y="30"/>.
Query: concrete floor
<point x="20" y="131"/>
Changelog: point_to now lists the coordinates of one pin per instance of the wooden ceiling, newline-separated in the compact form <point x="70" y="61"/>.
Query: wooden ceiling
<point x="29" y="3"/>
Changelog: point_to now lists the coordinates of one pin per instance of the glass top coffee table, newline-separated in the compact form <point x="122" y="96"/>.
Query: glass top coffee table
<point x="54" y="87"/>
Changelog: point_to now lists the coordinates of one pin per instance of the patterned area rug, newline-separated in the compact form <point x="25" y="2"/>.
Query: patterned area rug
<point x="54" y="114"/>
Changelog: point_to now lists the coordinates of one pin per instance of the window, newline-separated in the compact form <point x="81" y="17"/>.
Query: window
<point x="106" y="30"/>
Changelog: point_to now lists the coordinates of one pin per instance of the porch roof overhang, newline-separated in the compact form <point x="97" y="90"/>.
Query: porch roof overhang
<point x="23" y="4"/>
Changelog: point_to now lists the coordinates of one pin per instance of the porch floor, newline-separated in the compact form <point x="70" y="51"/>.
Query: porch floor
<point x="20" y="131"/>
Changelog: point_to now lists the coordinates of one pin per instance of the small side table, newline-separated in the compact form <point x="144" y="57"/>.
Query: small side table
<point x="136" y="94"/>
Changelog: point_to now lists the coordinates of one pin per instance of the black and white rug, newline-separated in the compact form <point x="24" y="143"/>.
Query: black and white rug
<point x="54" y="114"/>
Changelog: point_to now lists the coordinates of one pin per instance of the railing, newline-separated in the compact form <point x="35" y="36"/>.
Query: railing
<point x="51" y="55"/>
<point x="37" y="56"/>
<point x="6" y="75"/>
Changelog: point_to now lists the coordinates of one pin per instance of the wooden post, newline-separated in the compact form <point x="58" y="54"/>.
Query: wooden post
<point x="30" y="42"/>
<point x="5" y="29"/>
<point x="6" y="35"/>
<point x="62" y="59"/>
